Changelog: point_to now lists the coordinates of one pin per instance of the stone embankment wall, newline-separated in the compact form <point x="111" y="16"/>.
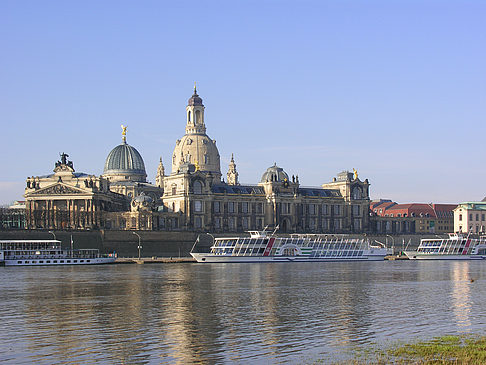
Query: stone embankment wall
<point x="165" y="244"/>
<point x="125" y="243"/>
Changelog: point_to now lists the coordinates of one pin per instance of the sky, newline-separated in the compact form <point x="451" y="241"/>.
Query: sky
<point x="395" y="89"/>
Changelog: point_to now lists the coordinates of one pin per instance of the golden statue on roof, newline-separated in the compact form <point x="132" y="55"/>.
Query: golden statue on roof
<point x="355" y="172"/>
<point x="124" y="130"/>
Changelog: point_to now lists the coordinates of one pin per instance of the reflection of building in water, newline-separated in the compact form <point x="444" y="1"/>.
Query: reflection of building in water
<point x="461" y="296"/>
<point x="193" y="329"/>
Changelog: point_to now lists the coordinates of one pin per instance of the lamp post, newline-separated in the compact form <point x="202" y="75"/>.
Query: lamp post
<point x="51" y="232"/>
<point x="393" y="243"/>
<point x="139" y="243"/>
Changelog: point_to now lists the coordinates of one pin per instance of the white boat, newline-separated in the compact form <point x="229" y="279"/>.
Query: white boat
<point x="455" y="247"/>
<point x="48" y="252"/>
<point x="260" y="247"/>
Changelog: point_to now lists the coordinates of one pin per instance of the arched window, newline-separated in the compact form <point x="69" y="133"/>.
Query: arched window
<point x="189" y="116"/>
<point x="197" y="186"/>
<point x="198" y="116"/>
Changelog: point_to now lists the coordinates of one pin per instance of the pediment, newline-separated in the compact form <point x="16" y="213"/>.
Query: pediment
<point x="58" y="189"/>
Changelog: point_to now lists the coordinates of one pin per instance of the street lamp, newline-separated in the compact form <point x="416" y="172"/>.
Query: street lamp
<point x="51" y="232"/>
<point x="139" y="243"/>
<point x="393" y="243"/>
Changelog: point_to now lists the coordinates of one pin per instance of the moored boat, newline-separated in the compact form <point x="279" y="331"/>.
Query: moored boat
<point x="48" y="252"/>
<point x="455" y="247"/>
<point x="261" y="247"/>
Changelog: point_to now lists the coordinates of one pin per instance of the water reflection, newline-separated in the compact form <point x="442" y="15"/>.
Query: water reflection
<point x="222" y="313"/>
<point x="461" y="293"/>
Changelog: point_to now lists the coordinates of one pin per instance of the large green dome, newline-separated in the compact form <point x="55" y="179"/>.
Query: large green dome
<point x="124" y="162"/>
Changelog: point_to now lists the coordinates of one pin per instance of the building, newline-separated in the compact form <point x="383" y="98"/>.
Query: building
<point x="390" y="217"/>
<point x="470" y="217"/>
<point x="194" y="196"/>
<point x="207" y="203"/>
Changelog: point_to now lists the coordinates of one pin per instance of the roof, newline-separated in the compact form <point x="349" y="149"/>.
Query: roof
<point x="473" y="205"/>
<point x="237" y="189"/>
<point x="124" y="159"/>
<point x="319" y="192"/>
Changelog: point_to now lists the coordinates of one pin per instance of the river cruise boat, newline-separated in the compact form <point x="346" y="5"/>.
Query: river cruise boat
<point x="456" y="247"/>
<point x="260" y="247"/>
<point x="48" y="252"/>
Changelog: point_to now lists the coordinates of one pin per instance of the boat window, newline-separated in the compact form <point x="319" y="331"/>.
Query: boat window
<point x="48" y="261"/>
<point x="88" y="260"/>
<point x="19" y="262"/>
<point x="81" y="260"/>
<point x="75" y="261"/>
<point x="61" y="261"/>
<point x="55" y="261"/>
<point x="26" y="262"/>
<point x="41" y="262"/>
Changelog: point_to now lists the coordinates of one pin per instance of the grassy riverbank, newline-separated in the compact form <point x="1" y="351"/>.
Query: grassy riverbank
<point x="468" y="349"/>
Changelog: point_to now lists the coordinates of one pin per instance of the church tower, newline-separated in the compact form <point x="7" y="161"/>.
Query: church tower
<point x="195" y="114"/>
<point x="232" y="174"/>
<point x="159" y="178"/>
<point x="195" y="147"/>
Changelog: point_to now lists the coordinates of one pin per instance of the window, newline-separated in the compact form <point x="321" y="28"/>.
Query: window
<point x="231" y="223"/>
<point x="356" y="210"/>
<point x="174" y="189"/>
<point x="482" y="217"/>
<point x="198" y="222"/>
<point x="189" y="116"/>
<point x="259" y="208"/>
<point x="197" y="187"/>
<point x="312" y="209"/>
<point x="325" y="209"/>
<point x="477" y="216"/>
<point x="460" y="217"/>
<point x="216" y="207"/>
<point x="244" y="222"/>
<point x="337" y="210"/>
<point x="285" y="208"/>
<point x="217" y="223"/>
<point x="231" y="207"/>
<point x="470" y="217"/>
<point x="206" y="159"/>
<point x="198" y="206"/>
<point x="244" y="207"/>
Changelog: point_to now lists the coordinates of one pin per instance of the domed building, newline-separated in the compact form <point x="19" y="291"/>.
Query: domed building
<point x="125" y="171"/>
<point x="195" y="147"/>
<point x="124" y="163"/>
<point x="201" y="201"/>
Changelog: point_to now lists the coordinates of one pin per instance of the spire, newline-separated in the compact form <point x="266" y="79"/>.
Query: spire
<point x="232" y="175"/>
<point x="159" y="178"/>
<point x="195" y="91"/>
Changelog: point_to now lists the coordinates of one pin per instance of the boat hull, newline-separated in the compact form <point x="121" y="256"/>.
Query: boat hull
<point x="209" y="258"/>
<point x="58" y="261"/>
<point x="413" y="255"/>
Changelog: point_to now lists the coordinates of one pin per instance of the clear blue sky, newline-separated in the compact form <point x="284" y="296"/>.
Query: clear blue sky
<point x="395" y="89"/>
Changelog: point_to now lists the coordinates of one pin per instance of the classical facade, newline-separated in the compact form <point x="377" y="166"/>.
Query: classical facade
<point x="470" y="217"/>
<point x="69" y="200"/>
<point x="194" y="196"/>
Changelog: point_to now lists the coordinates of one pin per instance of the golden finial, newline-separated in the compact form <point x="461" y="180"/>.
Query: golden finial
<point x="195" y="92"/>
<point x="355" y="172"/>
<point x="196" y="164"/>
<point x="124" y="132"/>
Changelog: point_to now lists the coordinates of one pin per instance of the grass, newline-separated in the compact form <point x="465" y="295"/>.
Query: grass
<point x="442" y="350"/>
<point x="466" y="349"/>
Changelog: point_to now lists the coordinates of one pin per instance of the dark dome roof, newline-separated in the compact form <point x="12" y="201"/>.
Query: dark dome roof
<point x="274" y="173"/>
<point x="194" y="99"/>
<point x="124" y="159"/>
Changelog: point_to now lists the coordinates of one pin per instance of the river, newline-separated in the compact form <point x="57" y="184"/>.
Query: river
<point x="232" y="313"/>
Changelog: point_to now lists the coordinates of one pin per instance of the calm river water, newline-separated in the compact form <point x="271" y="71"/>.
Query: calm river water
<point x="231" y="313"/>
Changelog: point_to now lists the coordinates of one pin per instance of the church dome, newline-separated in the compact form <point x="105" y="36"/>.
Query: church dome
<point x="124" y="162"/>
<point x="274" y="173"/>
<point x="199" y="150"/>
